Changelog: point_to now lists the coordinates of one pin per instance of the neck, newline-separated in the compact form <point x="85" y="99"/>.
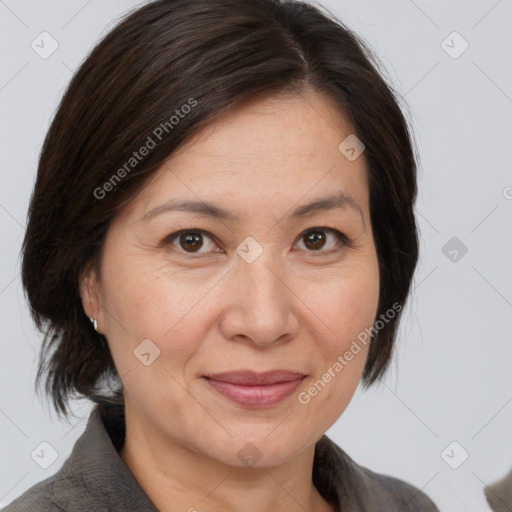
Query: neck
<point x="175" y="477"/>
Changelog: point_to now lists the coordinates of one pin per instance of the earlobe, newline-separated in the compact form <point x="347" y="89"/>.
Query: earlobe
<point x="89" y="293"/>
<point x="94" y="323"/>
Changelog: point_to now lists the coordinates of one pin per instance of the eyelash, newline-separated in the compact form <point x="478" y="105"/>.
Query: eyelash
<point x="344" y="241"/>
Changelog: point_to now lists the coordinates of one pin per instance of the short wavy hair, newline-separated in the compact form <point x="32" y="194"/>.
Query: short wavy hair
<point x="221" y="53"/>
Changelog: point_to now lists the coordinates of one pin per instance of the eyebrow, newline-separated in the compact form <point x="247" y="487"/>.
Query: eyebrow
<point x="338" y="200"/>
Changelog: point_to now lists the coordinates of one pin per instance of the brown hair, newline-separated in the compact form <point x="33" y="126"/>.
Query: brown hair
<point x="210" y="55"/>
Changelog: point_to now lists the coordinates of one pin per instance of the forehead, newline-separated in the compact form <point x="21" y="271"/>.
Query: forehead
<point x="271" y="127"/>
<point x="264" y="152"/>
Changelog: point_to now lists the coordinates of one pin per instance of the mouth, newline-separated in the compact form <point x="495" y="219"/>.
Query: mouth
<point x="255" y="390"/>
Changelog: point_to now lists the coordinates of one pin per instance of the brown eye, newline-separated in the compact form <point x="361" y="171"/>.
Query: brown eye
<point x="318" y="242"/>
<point x="317" y="239"/>
<point x="192" y="241"/>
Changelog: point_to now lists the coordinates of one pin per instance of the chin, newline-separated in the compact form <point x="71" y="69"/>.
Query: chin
<point x="250" y="448"/>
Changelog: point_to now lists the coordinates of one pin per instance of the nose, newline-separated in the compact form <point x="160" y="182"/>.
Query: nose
<point x="262" y="307"/>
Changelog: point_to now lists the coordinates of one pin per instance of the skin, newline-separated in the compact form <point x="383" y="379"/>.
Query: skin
<point x="208" y="310"/>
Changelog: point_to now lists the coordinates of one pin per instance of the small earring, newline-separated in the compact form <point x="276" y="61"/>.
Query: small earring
<point x="94" y="322"/>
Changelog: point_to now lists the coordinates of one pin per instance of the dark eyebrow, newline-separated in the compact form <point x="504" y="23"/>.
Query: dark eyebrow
<point x="333" y="201"/>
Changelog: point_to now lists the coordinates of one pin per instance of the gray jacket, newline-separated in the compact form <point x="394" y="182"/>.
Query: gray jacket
<point x="95" y="478"/>
<point x="499" y="494"/>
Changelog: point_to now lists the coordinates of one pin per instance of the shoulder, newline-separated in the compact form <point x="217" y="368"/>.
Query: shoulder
<point x="358" y="488"/>
<point x="58" y="493"/>
<point x="499" y="494"/>
<point x="72" y="486"/>
<point x="403" y="495"/>
<point x="39" y="497"/>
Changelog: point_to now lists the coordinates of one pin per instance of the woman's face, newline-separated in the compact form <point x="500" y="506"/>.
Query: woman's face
<point x="260" y="290"/>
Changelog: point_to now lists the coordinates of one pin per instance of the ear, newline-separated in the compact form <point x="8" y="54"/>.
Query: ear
<point x="89" y="287"/>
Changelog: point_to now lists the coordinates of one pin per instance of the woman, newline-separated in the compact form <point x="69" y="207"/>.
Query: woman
<point x="220" y="243"/>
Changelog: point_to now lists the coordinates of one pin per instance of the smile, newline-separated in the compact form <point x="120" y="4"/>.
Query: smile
<point x="256" y="390"/>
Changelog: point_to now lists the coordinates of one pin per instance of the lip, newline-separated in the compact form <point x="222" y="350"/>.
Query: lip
<point x="253" y="389"/>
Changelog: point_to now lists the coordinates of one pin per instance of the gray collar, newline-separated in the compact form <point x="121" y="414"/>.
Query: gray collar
<point x="94" y="474"/>
<point x="95" y="477"/>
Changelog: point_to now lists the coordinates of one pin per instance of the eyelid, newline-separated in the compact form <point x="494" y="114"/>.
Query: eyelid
<point x="344" y="241"/>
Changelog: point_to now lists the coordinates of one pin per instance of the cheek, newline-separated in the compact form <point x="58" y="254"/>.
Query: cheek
<point x="148" y="303"/>
<point x="347" y="304"/>
<point x="145" y="305"/>
<point x="358" y="302"/>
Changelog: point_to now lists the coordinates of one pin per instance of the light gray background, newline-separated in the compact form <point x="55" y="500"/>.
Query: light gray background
<point x="451" y="378"/>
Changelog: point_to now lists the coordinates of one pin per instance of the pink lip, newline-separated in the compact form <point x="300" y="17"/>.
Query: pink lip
<point x="256" y="389"/>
